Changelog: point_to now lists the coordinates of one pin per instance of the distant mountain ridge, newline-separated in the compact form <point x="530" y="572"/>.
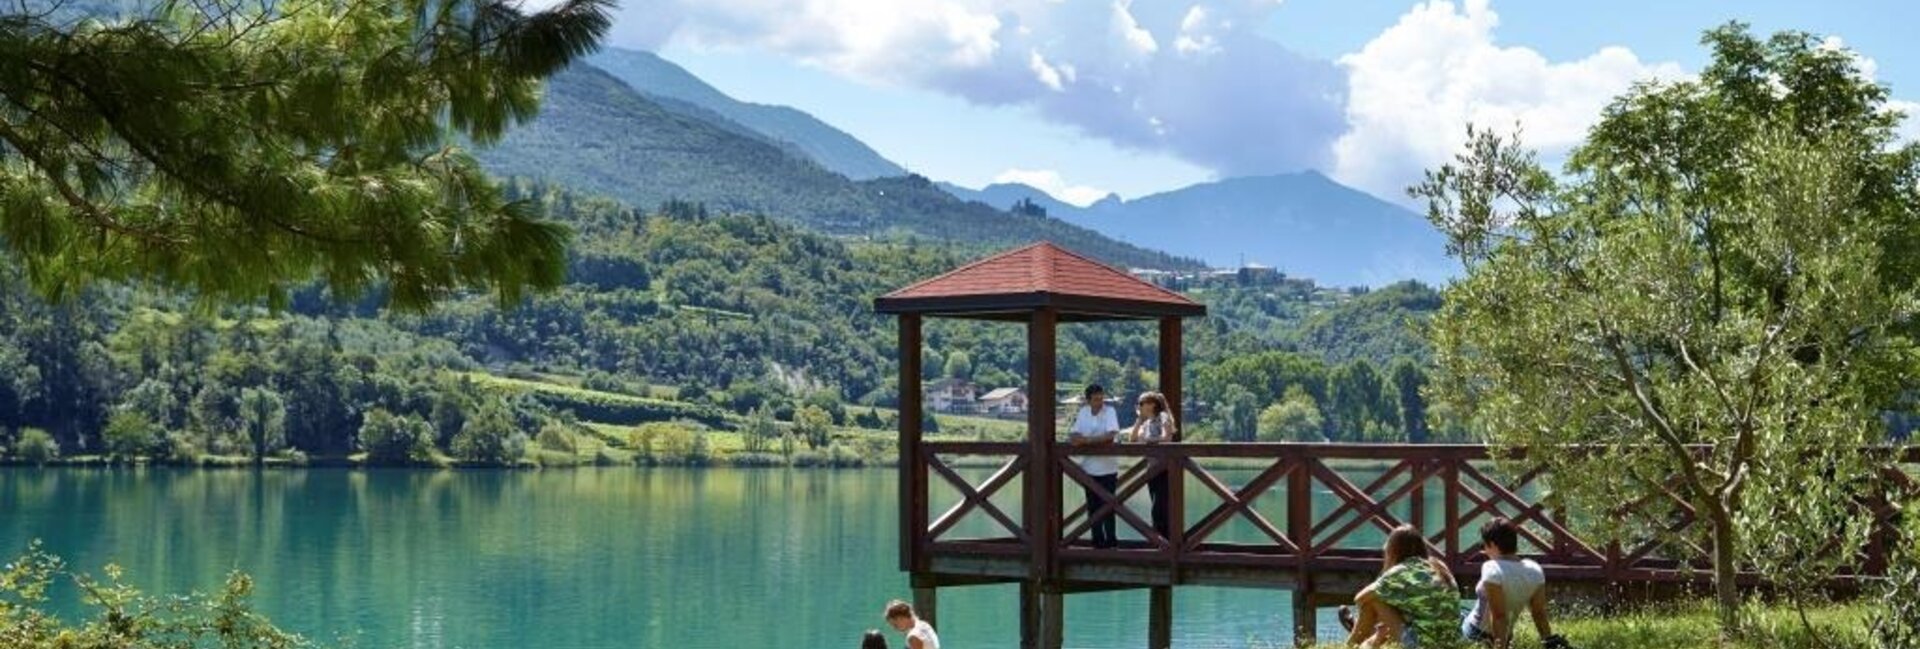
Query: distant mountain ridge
<point x="1305" y="224"/>
<point x="597" y="134"/>
<point x="832" y="148"/>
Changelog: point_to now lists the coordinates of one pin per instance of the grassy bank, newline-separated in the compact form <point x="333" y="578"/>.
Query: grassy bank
<point x="1684" y="626"/>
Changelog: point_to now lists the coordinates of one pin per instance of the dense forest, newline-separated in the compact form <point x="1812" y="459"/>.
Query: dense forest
<point x="680" y="314"/>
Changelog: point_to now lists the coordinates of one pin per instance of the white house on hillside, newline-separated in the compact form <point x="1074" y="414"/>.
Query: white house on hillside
<point x="951" y="395"/>
<point x="1004" y="401"/>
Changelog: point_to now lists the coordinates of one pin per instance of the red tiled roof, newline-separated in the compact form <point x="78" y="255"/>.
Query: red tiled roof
<point x="1041" y="268"/>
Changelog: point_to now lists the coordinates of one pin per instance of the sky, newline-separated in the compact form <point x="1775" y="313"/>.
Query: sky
<point x="1086" y="97"/>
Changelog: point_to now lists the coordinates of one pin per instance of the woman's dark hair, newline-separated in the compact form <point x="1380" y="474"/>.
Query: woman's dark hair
<point x="873" y="640"/>
<point x="1092" y="389"/>
<point x="1404" y="543"/>
<point x="1503" y="534"/>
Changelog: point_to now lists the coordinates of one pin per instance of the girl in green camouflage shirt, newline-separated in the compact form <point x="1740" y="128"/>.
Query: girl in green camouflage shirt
<point x="1414" y="601"/>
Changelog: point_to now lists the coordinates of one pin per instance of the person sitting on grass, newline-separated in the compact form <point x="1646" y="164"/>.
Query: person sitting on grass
<point x="1508" y="584"/>
<point x="1412" y="603"/>
<point x="920" y="635"/>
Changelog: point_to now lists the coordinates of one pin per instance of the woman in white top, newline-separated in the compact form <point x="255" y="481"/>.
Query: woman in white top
<point x="919" y="634"/>
<point x="1508" y="585"/>
<point x="1152" y="424"/>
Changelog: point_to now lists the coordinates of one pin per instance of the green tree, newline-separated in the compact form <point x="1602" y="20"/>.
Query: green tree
<point x="1408" y="380"/>
<point x="1238" y="414"/>
<point x="1357" y="397"/>
<point x="959" y="365"/>
<point x="760" y="432"/>
<point x="263" y="415"/>
<point x="1728" y="265"/>
<point x="1295" y="418"/>
<point x="36" y="446"/>
<point x="238" y="148"/>
<point x="491" y="437"/>
<point x="395" y="439"/>
<point x="814" y="425"/>
<point x="129" y="434"/>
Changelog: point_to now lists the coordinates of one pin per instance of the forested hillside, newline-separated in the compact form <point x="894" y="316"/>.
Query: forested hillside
<point x="670" y="84"/>
<point x="682" y="314"/>
<point x="595" y="134"/>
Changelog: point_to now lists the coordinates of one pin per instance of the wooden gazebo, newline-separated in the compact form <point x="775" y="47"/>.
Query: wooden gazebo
<point x="1322" y="554"/>
<point x="1041" y="285"/>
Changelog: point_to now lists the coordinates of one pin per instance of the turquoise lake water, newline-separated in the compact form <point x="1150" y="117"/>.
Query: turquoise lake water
<point x="587" y="558"/>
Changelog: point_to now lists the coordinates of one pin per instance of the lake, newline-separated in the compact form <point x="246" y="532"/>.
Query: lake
<point x="617" y="557"/>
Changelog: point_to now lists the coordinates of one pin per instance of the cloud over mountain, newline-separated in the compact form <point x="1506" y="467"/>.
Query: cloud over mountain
<point x="1186" y="78"/>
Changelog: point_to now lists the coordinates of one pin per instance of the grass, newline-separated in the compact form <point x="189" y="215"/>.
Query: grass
<point x="1695" y="624"/>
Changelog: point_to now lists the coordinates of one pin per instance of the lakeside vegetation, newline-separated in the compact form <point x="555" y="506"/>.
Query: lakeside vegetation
<point x="679" y="318"/>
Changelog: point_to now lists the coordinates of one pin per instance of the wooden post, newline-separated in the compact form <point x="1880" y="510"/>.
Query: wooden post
<point x="1053" y="618"/>
<point x="926" y="604"/>
<point x="1029" y="615"/>
<point x="1306" y="618"/>
<point x="1042" y="503"/>
<point x="1451" y="496"/>
<point x="1171" y="372"/>
<point x="1170" y="367"/>
<point x="913" y="471"/>
<point x="1160" y="617"/>
<point x="1306" y="623"/>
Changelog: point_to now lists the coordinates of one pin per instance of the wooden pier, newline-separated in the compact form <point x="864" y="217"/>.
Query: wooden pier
<point x="1316" y="529"/>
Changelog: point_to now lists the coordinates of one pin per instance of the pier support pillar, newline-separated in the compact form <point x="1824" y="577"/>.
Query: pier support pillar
<point x="1160" y="617"/>
<point x="1053" y="617"/>
<point x="927" y="604"/>
<point x="1029" y="615"/>
<point x="1306" y="619"/>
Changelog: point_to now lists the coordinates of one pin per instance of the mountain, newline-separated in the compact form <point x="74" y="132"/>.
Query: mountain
<point x="598" y="135"/>
<point x="1004" y="195"/>
<point x="675" y="88"/>
<point x="1304" y="224"/>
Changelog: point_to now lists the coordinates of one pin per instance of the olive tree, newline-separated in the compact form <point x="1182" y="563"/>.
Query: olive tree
<point x="1705" y="315"/>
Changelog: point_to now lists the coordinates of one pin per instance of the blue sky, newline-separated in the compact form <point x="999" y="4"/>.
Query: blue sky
<point x="1082" y="97"/>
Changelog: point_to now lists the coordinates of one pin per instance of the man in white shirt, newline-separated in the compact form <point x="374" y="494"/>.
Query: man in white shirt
<point x="1096" y="424"/>
<point x="919" y="634"/>
<point x="1508" y="585"/>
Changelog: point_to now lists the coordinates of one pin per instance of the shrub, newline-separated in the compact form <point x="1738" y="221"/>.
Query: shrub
<point x="129" y="435"/>
<point x="555" y="437"/>
<point x="491" y="437"/>
<point x="756" y="460"/>
<point x="391" y="439"/>
<point x="606" y="457"/>
<point x="37" y="446"/>
<point x="183" y="447"/>
<point x="127" y="618"/>
<point x="1896" y="622"/>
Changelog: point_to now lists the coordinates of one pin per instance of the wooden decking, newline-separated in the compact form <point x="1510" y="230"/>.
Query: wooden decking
<point x="1310" y="518"/>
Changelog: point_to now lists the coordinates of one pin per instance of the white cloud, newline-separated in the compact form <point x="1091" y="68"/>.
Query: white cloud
<point x="1051" y="182"/>
<point x="1129" y="31"/>
<point x="1190" y="78"/>
<point x="1194" y="37"/>
<point x="1046" y="73"/>
<point x="1909" y="129"/>
<point x="1415" y="87"/>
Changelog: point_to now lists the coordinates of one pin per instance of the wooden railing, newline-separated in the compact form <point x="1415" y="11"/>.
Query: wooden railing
<point x="1444" y="490"/>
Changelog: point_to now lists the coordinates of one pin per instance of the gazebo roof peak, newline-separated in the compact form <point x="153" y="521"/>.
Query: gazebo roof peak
<point x="1037" y="276"/>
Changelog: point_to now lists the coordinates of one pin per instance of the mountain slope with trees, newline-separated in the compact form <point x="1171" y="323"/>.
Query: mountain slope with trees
<point x="669" y="84"/>
<point x="598" y="135"/>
